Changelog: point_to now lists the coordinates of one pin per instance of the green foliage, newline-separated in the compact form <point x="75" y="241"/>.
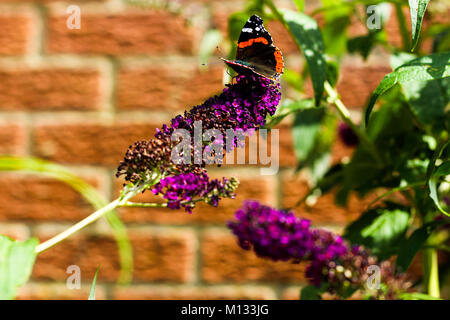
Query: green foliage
<point x="311" y="293"/>
<point x="411" y="246"/>
<point x="381" y="230"/>
<point x="431" y="67"/>
<point x="306" y="34"/>
<point x="417" y="10"/>
<point x="93" y="285"/>
<point x="16" y="263"/>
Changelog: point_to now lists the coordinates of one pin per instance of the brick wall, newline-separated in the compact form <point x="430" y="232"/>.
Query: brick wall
<point x="80" y="97"/>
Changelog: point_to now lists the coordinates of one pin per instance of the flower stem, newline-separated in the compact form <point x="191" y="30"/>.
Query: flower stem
<point x="345" y="115"/>
<point x="130" y="193"/>
<point x="77" y="227"/>
<point x="430" y="262"/>
<point x="143" y="205"/>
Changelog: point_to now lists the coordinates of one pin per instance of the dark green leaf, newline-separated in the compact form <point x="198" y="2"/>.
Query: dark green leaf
<point x="413" y="244"/>
<point x="417" y="9"/>
<point x="381" y="230"/>
<point x="435" y="66"/>
<point x="94" y="282"/>
<point x="432" y="185"/>
<point x="433" y="177"/>
<point x="16" y="263"/>
<point x="309" y="39"/>
<point x="332" y="72"/>
<point x="304" y="131"/>
<point x="425" y="97"/>
<point x="442" y="170"/>
<point x="310" y="293"/>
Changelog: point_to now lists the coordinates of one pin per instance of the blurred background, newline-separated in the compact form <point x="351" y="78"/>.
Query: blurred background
<point x="80" y="97"/>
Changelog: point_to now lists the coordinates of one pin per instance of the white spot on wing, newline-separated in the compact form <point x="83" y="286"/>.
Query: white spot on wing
<point x="250" y="30"/>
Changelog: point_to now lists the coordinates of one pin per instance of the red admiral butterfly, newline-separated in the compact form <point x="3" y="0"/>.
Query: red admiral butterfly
<point x="256" y="52"/>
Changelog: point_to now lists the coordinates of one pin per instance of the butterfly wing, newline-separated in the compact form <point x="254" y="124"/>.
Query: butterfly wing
<point x="256" y="50"/>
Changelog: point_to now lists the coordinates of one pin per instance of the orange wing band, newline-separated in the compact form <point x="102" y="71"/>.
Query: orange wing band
<point x="251" y="41"/>
<point x="279" y="59"/>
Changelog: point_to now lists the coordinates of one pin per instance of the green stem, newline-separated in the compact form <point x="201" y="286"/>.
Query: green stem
<point x="402" y="25"/>
<point x="430" y="265"/>
<point x="143" y="205"/>
<point x="130" y="193"/>
<point x="431" y="272"/>
<point x="345" y="115"/>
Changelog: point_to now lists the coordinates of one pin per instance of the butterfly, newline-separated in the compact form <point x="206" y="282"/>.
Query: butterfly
<point x="256" y="52"/>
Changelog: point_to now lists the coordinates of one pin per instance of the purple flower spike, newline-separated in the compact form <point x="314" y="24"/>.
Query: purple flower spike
<point x="279" y="235"/>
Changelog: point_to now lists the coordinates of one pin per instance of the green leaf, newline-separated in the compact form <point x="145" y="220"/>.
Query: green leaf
<point x="52" y="170"/>
<point x="288" y="107"/>
<point x="431" y="67"/>
<point x="304" y="131"/>
<point x="209" y="43"/>
<point x="381" y="230"/>
<point x="16" y="263"/>
<point x="311" y="293"/>
<point x="411" y="246"/>
<point x="417" y="296"/>
<point x="300" y="5"/>
<point x="442" y="170"/>
<point x="332" y="72"/>
<point x="417" y="9"/>
<point x="94" y="281"/>
<point x="307" y="35"/>
<point x="425" y="97"/>
<point x="433" y="176"/>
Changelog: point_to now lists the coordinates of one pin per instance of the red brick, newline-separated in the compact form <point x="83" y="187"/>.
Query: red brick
<point x="324" y="211"/>
<point x="94" y="144"/>
<point x="40" y="199"/>
<point x="282" y="38"/>
<point x="13" y="139"/>
<point x="199" y="86"/>
<point x="224" y="261"/>
<point x="49" y="89"/>
<point x="157" y="257"/>
<point x="357" y="82"/>
<point x="249" y="188"/>
<point x="165" y="88"/>
<point x="193" y="293"/>
<point x="58" y="291"/>
<point x="155" y="32"/>
<point x="15" y="34"/>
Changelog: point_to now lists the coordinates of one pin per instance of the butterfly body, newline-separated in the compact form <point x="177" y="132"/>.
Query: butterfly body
<point x="256" y="52"/>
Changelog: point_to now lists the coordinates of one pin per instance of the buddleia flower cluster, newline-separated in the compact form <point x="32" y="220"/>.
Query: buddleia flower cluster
<point x="241" y="107"/>
<point x="281" y="236"/>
